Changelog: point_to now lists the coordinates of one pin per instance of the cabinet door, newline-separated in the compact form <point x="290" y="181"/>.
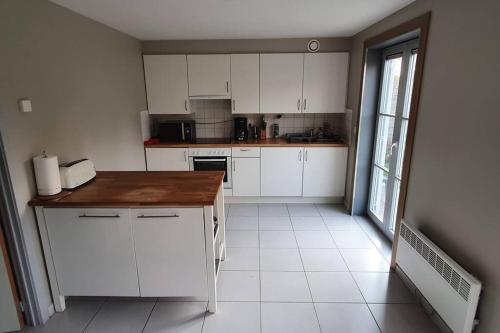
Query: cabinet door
<point x="281" y="82"/>
<point x="170" y="251"/>
<point x="245" y="83"/>
<point x="281" y="171"/>
<point x="209" y="75"/>
<point x="325" y="172"/>
<point x="167" y="159"/>
<point x="325" y="82"/>
<point x="93" y="251"/>
<point x="246" y="177"/>
<point x="166" y="84"/>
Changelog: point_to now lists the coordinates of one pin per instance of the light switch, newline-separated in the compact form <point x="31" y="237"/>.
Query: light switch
<point x="25" y="105"/>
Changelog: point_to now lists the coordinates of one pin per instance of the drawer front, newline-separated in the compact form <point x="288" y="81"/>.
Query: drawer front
<point x="170" y="251"/>
<point x="93" y="251"/>
<point x="245" y="152"/>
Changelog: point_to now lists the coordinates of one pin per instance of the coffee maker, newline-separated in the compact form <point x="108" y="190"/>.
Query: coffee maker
<point x="240" y="128"/>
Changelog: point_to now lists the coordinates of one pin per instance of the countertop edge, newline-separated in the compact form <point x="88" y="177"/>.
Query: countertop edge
<point x="245" y="144"/>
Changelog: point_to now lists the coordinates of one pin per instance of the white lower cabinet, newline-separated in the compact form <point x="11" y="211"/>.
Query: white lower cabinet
<point x="246" y="176"/>
<point x="167" y="159"/>
<point x="92" y="251"/>
<point x="324" y="172"/>
<point x="281" y="171"/>
<point x="170" y="251"/>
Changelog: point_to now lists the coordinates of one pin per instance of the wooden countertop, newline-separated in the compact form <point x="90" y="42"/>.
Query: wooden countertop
<point x="141" y="188"/>
<point x="281" y="142"/>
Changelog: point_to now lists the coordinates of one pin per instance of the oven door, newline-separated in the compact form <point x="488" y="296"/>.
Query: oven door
<point x="219" y="163"/>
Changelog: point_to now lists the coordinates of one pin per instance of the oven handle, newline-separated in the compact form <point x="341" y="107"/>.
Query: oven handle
<point x="210" y="160"/>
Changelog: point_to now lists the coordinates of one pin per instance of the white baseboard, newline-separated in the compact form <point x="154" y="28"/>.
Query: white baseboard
<point x="332" y="200"/>
<point x="52" y="310"/>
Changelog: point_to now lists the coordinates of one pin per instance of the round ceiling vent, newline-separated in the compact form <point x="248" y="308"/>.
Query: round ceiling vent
<point x="313" y="45"/>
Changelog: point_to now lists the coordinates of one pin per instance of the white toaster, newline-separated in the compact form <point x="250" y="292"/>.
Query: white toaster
<point x="76" y="173"/>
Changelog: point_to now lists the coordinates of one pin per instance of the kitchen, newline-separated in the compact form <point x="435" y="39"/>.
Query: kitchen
<point x="247" y="166"/>
<point x="252" y="150"/>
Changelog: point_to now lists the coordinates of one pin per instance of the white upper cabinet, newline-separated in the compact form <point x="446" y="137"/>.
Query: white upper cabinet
<point x="281" y="82"/>
<point x="245" y="83"/>
<point x="325" y="82"/>
<point x="209" y="75"/>
<point x="324" y="171"/>
<point x="166" y="84"/>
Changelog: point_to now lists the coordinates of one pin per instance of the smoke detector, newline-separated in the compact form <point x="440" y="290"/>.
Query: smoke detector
<point x="313" y="45"/>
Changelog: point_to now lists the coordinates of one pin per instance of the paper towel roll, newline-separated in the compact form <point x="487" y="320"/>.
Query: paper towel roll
<point x="48" y="181"/>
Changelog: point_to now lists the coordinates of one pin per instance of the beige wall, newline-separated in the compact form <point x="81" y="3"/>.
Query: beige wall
<point x="86" y="84"/>
<point x="453" y="194"/>
<point x="243" y="45"/>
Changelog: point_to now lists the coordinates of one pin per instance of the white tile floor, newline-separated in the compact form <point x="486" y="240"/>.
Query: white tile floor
<point x="290" y="268"/>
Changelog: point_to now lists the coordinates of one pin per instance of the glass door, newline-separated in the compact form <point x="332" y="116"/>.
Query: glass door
<point x="392" y="124"/>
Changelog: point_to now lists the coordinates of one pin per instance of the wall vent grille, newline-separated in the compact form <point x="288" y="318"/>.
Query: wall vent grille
<point x="454" y="279"/>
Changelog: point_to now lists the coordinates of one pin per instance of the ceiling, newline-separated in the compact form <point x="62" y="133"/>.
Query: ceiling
<point x="224" y="19"/>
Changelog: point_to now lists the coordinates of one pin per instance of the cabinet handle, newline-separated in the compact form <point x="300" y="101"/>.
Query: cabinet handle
<point x="300" y="155"/>
<point x="185" y="104"/>
<point x="305" y="158"/>
<point x="142" y="216"/>
<point x="234" y="104"/>
<point x="244" y="149"/>
<point x="305" y="104"/>
<point x="234" y="166"/>
<point x="227" y="86"/>
<point x="185" y="156"/>
<point x="298" y="104"/>
<point x="83" y="216"/>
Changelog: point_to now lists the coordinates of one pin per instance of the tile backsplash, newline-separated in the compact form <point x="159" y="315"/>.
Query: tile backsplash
<point x="214" y="120"/>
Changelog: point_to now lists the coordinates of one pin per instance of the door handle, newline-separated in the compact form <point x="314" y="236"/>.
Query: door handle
<point x="305" y="104"/>
<point x="300" y="155"/>
<point x="185" y="104"/>
<point x="227" y="86"/>
<point x="83" y="216"/>
<point x="305" y="158"/>
<point x="393" y="146"/>
<point x="298" y="104"/>
<point x="142" y="216"/>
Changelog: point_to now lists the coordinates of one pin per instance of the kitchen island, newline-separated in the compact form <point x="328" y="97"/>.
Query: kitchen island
<point x="135" y="234"/>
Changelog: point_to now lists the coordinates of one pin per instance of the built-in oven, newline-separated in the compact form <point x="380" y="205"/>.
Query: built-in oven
<point x="212" y="159"/>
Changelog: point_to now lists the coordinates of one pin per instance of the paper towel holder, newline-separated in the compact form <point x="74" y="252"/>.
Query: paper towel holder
<point x="48" y="180"/>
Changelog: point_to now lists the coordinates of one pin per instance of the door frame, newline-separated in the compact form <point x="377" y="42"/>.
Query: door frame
<point x="10" y="274"/>
<point x="16" y="246"/>
<point x="388" y="52"/>
<point x="421" y="25"/>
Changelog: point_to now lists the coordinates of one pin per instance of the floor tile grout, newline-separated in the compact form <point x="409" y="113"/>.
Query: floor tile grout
<point x="149" y="316"/>
<point x="307" y="279"/>
<point x="95" y="315"/>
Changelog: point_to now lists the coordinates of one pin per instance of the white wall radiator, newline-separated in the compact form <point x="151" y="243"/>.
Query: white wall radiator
<point x="452" y="291"/>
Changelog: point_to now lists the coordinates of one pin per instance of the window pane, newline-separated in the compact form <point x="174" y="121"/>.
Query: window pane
<point x="384" y="141"/>
<point x="401" y="147"/>
<point x="379" y="188"/>
<point x="409" y="84"/>
<point x="395" y="198"/>
<point x="390" y="85"/>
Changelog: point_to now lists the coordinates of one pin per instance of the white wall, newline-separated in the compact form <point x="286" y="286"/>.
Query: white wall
<point x="86" y="84"/>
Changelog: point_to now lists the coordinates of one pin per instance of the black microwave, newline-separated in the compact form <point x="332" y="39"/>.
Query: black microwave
<point x="177" y="131"/>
